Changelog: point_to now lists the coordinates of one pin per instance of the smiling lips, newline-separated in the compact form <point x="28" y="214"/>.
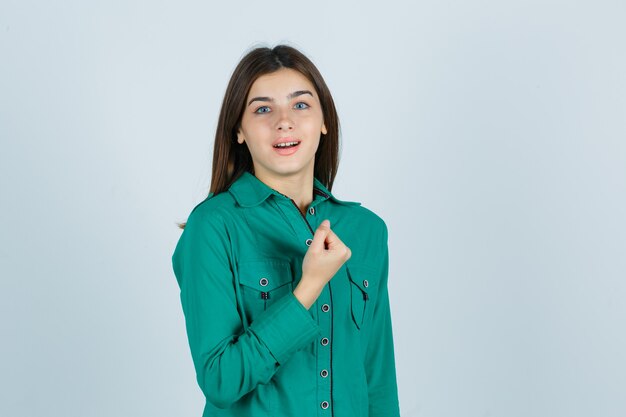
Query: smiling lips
<point x="286" y="146"/>
<point x="285" y="140"/>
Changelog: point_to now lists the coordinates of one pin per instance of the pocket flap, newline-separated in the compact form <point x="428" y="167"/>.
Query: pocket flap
<point x="273" y="274"/>
<point x="362" y="275"/>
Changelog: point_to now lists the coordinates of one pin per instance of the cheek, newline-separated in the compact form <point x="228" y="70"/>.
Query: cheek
<point x="258" y="150"/>
<point x="257" y="130"/>
<point x="312" y="125"/>
<point x="312" y="145"/>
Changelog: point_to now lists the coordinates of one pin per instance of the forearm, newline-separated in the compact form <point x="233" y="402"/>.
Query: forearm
<point x="307" y="292"/>
<point x="238" y="363"/>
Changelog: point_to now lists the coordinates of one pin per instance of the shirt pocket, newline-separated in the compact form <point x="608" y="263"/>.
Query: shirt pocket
<point x="262" y="283"/>
<point x="362" y="283"/>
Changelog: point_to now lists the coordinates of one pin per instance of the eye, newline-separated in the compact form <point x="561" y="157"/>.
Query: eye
<point x="302" y="102"/>
<point x="262" y="107"/>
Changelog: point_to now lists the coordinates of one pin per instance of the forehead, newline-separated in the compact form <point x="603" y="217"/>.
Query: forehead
<point x="280" y="83"/>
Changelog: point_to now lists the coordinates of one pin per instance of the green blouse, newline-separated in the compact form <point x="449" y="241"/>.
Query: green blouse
<point x="257" y="351"/>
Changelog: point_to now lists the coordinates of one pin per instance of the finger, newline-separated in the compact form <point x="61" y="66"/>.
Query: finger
<point x="333" y="240"/>
<point x="320" y="235"/>
<point x="336" y="243"/>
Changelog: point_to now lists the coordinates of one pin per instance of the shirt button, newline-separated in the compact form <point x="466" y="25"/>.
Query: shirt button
<point x="324" y="341"/>
<point x="312" y="210"/>
<point x="324" y="373"/>
<point x="324" y="405"/>
<point x="325" y="308"/>
<point x="263" y="282"/>
<point x="365" y="283"/>
<point x="308" y="242"/>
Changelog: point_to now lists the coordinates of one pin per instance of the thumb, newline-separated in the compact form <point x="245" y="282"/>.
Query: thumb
<point x="320" y="235"/>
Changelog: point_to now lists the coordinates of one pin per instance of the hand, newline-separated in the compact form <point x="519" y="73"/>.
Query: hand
<point x="323" y="259"/>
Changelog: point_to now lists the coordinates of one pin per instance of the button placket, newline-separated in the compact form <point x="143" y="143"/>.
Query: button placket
<point x="324" y="349"/>
<point x="296" y="219"/>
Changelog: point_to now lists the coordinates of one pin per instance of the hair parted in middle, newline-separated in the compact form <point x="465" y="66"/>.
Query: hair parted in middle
<point x="231" y="159"/>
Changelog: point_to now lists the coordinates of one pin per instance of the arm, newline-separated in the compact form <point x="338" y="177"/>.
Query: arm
<point x="380" y="365"/>
<point x="228" y="361"/>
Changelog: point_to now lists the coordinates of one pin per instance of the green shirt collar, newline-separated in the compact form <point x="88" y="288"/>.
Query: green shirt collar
<point x="249" y="191"/>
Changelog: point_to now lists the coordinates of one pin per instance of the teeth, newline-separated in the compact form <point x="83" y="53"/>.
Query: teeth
<point x="283" y="145"/>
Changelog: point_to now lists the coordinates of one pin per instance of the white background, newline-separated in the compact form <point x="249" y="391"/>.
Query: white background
<point x="490" y="136"/>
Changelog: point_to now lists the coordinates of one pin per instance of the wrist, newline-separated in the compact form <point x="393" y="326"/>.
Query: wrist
<point x="307" y="292"/>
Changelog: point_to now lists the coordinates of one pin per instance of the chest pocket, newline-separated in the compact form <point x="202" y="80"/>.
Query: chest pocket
<point x="262" y="283"/>
<point x="363" y="282"/>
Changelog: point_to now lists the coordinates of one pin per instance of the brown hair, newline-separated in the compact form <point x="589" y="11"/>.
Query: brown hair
<point x="230" y="159"/>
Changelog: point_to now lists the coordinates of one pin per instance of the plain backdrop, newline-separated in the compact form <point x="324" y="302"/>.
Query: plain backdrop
<point x="489" y="135"/>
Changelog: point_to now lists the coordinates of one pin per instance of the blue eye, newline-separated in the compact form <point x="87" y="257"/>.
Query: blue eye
<point x="266" y="107"/>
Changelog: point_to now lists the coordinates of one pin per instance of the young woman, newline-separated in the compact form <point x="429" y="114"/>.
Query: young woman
<point x="283" y="285"/>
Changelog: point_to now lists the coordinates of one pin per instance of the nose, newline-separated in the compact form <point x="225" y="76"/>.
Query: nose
<point x="284" y="122"/>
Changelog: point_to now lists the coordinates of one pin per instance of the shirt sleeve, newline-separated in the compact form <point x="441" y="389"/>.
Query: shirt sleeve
<point x="380" y="365"/>
<point x="230" y="362"/>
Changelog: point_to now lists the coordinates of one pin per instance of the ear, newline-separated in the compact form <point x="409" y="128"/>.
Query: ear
<point x="240" y="137"/>
<point x="324" y="131"/>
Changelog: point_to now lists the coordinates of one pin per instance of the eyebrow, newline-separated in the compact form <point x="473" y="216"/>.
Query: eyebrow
<point x="290" y="96"/>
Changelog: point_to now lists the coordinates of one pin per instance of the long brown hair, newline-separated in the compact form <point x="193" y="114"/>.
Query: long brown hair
<point x="230" y="159"/>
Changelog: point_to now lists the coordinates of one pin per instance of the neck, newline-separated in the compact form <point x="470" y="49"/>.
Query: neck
<point x="297" y="186"/>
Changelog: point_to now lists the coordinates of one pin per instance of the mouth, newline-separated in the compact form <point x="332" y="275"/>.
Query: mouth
<point x="288" y="144"/>
<point x="287" y="148"/>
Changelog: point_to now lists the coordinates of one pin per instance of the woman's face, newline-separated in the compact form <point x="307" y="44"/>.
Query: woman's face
<point x="282" y="106"/>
